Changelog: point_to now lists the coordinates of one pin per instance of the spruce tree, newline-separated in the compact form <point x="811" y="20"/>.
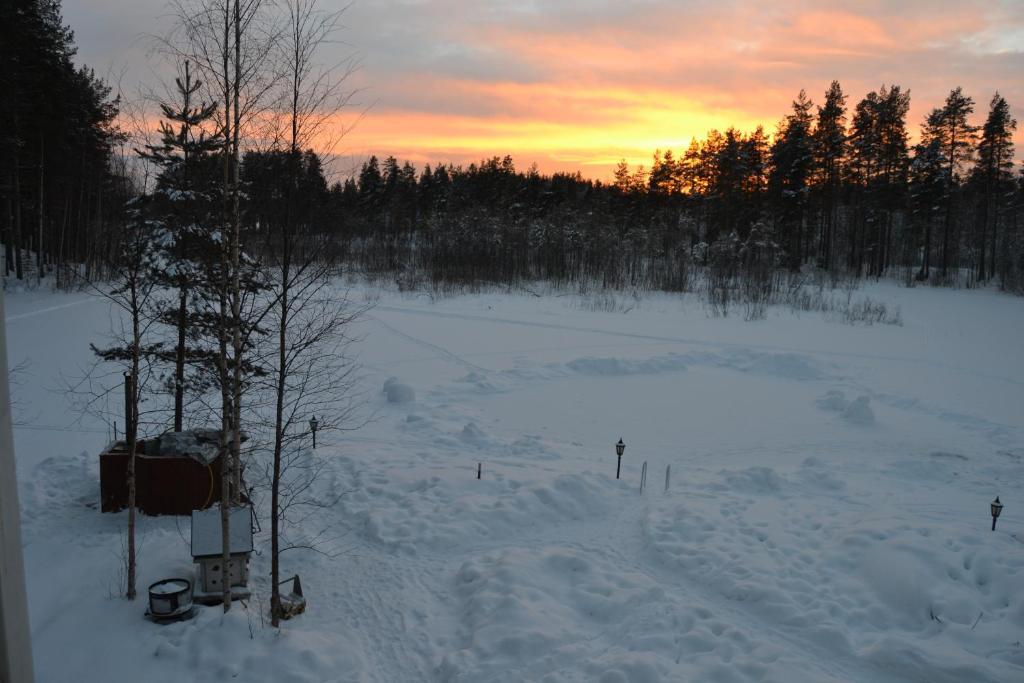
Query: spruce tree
<point x="186" y="201"/>
<point x="792" y="157"/>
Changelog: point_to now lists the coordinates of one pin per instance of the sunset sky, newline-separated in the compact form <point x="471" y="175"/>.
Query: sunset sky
<point x="579" y="85"/>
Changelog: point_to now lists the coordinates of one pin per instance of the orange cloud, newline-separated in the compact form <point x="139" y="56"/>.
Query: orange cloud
<point x="561" y="127"/>
<point x="578" y="84"/>
<point x="581" y="85"/>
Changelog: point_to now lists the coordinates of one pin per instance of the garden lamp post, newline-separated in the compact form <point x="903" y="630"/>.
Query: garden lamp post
<point x="313" y="424"/>
<point x="997" y="508"/>
<point x="620" y="447"/>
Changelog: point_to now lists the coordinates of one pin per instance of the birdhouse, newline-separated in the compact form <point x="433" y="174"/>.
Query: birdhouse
<point x="207" y="553"/>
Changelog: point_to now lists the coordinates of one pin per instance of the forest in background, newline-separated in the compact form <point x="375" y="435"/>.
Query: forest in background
<point x="836" y="188"/>
<point x="63" y="183"/>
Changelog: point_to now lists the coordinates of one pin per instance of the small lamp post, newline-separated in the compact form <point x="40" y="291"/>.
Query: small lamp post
<point x="313" y="424"/>
<point x="620" y="447"/>
<point x="997" y="508"/>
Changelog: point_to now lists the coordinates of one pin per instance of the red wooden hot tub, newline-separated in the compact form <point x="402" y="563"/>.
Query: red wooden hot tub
<point x="164" y="484"/>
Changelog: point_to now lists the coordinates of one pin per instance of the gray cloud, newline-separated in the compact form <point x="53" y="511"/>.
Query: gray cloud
<point x="541" y="60"/>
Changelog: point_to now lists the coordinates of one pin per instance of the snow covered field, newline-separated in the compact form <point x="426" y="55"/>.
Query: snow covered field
<point x="827" y="516"/>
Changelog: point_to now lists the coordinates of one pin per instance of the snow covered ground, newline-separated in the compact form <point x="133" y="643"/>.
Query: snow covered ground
<point x="826" y="520"/>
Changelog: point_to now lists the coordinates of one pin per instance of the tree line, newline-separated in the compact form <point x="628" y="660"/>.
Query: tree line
<point x="836" y="189"/>
<point x="62" y="182"/>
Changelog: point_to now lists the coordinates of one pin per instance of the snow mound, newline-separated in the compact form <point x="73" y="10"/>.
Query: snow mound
<point x="834" y="401"/>
<point x="816" y="474"/>
<point x="531" y="446"/>
<point x="481" y="382"/>
<point x="532" y="611"/>
<point x="847" y="587"/>
<point x="752" y="480"/>
<point x="440" y="514"/>
<point x="216" y="647"/>
<point x="397" y="392"/>
<point x="859" y="411"/>
<point x="473" y="433"/>
<point x="626" y="366"/>
<point x="785" y="365"/>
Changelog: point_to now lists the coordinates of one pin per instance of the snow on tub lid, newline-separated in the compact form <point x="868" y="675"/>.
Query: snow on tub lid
<point x="168" y="587"/>
<point x="206" y="538"/>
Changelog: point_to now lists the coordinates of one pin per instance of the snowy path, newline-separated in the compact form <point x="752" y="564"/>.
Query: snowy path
<point x="49" y="309"/>
<point x="689" y="341"/>
<point x="416" y="340"/>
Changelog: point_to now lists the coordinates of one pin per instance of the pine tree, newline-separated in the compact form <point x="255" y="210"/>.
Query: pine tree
<point x="994" y="176"/>
<point x="690" y="169"/>
<point x="892" y="167"/>
<point x="186" y="201"/>
<point x="665" y="174"/>
<point x="792" y="157"/>
<point x="391" y="181"/>
<point x="829" y="154"/>
<point x="639" y="179"/>
<point x="949" y="126"/>
<point x="928" y="194"/>
<point x="371" y="189"/>
<point x="60" y="192"/>
<point x="622" y="177"/>
<point x="877" y="168"/>
<point x="656" y="179"/>
<point x="733" y="171"/>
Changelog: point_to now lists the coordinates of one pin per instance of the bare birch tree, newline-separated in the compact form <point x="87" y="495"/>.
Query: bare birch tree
<point x="312" y="373"/>
<point x="131" y="291"/>
<point x="229" y="41"/>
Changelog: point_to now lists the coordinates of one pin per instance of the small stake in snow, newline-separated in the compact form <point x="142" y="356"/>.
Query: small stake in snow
<point x="479" y="469"/>
<point x="668" y="472"/>
<point x="313" y="424"/>
<point x="997" y="508"/>
<point x="643" y="477"/>
<point x="620" y="447"/>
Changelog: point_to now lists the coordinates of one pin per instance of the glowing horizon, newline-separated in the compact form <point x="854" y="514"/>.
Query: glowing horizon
<point x="573" y="85"/>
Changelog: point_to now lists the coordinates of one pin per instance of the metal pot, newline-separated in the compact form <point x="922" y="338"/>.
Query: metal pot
<point x="170" y="598"/>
